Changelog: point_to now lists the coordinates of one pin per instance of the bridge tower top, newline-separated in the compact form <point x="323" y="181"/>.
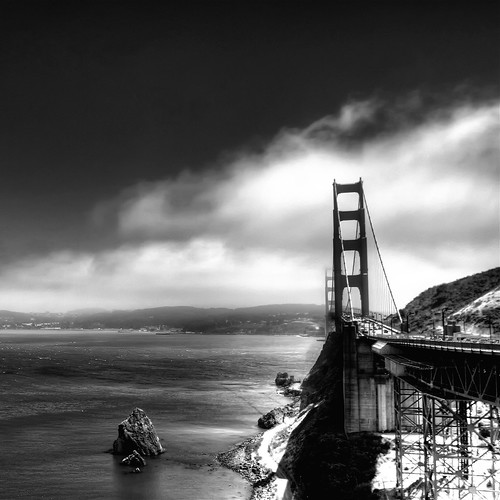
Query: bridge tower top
<point x="349" y="251"/>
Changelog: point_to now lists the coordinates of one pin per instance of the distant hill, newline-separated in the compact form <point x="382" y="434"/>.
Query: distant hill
<point x="14" y="316"/>
<point x="86" y="311"/>
<point x="474" y="299"/>
<point x="267" y="319"/>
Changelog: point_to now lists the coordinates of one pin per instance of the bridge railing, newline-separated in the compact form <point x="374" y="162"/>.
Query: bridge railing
<point x="378" y="324"/>
<point x="448" y="345"/>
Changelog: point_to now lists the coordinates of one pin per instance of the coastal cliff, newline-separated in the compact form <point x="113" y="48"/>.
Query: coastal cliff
<point x="308" y="456"/>
<point x="319" y="457"/>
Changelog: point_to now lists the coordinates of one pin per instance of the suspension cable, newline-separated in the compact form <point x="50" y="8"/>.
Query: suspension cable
<point x="380" y="258"/>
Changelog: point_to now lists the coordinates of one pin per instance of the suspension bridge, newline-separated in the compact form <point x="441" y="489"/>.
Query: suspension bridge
<point x="439" y="396"/>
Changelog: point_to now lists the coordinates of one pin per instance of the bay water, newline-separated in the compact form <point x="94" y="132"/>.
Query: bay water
<point x="63" y="394"/>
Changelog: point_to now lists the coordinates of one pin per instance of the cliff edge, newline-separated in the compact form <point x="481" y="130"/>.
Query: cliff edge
<point x="320" y="459"/>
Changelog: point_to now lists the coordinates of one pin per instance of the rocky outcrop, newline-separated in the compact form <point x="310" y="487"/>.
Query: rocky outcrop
<point x="277" y="416"/>
<point x="137" y="433"/>
<point x="271" y="418"/>
<point x="283" y="380"/>
<point x="293" y="390"/>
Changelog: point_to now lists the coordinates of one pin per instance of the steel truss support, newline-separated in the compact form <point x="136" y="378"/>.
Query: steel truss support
<point x="445" y="449"/>
<point x="467" y="376"/>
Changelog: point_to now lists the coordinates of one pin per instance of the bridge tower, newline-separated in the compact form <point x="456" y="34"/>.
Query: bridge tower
<point x="367" y="396"/>
<point x="342" y="278"/>
<point x="441" y="398"/>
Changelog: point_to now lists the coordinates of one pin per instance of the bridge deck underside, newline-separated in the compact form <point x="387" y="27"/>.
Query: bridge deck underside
<point x="455" y="375"/>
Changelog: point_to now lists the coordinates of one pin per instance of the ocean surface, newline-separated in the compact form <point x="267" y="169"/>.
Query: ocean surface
<point x="63" y="394"/>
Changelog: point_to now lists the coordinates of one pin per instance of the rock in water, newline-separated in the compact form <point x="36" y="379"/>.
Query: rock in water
<point x="137" y="433"/>
<point x="277" y="416"/>
<point x="293" y="390"/>
<point x="272" y="418"/>
<point x="282" y="379"/>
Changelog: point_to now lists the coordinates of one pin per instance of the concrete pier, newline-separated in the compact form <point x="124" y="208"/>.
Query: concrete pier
<point x="368" y="392"/>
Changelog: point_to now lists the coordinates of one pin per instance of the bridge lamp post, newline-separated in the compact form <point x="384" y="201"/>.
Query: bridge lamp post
<point x="443" y="321"/>
<point x="408" y="321"/>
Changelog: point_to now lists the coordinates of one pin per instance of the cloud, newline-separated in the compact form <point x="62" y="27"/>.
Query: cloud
<point x="257" y="228"/>
<point x="201" y="272"/>
<point x="439" y="178"/>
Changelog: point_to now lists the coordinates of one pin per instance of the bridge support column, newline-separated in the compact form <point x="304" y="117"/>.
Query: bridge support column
<point x="368" y="393"/>
<point x="429" y="447"/>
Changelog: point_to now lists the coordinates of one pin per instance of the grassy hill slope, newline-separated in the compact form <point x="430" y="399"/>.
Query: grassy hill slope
<point x="455" y="299"/>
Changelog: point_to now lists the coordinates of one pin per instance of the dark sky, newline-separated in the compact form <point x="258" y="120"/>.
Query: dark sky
<point x="97" y="97"/>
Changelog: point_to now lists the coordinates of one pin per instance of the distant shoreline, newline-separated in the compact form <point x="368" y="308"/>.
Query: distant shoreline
<point x="159" y="333"/>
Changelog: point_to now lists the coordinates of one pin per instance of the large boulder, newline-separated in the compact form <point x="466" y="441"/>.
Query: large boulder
<point x="271" y="418"/>
<point x="278" y="415"/>
<point x="137" y="433"/>
<point x="292" y="390"/>
<point x="283" y="380"/>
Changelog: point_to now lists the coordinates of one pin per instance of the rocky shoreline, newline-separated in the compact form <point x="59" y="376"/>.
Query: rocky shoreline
<point x="305" y="448"/>
<point x="257" y="458"/>
<point x="244" y="459"/>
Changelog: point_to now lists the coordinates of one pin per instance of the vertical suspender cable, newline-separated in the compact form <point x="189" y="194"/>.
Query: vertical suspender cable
<point x="380" y="258"/>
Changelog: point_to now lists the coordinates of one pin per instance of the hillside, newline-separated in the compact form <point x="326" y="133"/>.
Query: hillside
<point x="473" y="300"/>
<point x="275" y="319"/>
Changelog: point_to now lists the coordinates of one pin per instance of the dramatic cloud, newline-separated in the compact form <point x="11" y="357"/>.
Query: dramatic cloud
<point x="257" y="228"/>
<point x="201" y="272"/>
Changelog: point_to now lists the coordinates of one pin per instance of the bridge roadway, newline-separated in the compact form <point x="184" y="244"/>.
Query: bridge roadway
<point x="466" y="346"/>
<point x="443" y="368"/>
